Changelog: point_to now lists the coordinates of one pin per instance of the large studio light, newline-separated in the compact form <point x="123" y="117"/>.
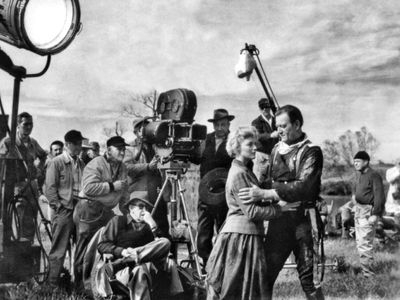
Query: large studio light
<point x="41" y="26"/>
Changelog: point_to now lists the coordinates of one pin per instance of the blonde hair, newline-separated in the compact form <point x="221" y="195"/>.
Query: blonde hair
<point x="236" y="138"/>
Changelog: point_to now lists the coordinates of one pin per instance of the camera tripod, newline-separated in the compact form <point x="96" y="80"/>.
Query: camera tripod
<point x="178" y="208"/>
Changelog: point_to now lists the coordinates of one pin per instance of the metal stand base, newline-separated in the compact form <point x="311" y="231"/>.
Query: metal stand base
<point x="178" y="202"/>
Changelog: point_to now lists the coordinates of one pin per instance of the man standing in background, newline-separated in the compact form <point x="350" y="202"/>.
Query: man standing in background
<point x="28" y="177"/>
<point x="267" y="136"/>
<point x="370" y="203"/>
<point x="63" y="184"/>
<point x="214" y="156"/>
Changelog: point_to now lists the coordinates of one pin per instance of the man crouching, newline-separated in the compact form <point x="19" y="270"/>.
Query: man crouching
<point x="141" y="257"/>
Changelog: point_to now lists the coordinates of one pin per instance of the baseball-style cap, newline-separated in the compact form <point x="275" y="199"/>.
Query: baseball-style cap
<point x="116" y="141"/>
<point x="73" y="136"/>
<point x="362" y="155"/>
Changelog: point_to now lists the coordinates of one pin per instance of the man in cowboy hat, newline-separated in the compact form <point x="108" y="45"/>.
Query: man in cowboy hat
<point x="267" y="135"/>
<point x="214" y="156"/>
<point x="104" y="186"/>
<point x="134" y="237"/>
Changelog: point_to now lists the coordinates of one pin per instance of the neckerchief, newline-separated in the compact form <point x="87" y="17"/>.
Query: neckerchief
<point x="284" y="148"/>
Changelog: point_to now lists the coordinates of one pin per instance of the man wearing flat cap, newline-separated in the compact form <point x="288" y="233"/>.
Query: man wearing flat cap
<point x="267" y="135"/>
<point x="104" y="186"/>
<point x="214" y="156"/>
<point x="63" y="184"/>
<point x="370" y="201"/>
<point x="133" y="240"/>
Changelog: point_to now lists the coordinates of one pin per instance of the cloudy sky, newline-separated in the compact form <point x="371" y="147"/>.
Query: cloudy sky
<point x="338" y="61"/>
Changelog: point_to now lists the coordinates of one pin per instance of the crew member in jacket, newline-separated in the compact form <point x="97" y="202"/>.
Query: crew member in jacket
<point x="267" y="136"/>
<point x="213" y="156"/>
<point x="63" y="184"/>
<point x="104" y="187"/>
<point x="296" y="168"/>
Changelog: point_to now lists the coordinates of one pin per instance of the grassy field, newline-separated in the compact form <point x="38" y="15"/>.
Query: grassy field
<point x="337" y="285"/>
<point x="350" y="284"/>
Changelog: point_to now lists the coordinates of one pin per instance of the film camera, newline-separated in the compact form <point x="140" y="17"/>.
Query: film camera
<point x="174" y="136"/>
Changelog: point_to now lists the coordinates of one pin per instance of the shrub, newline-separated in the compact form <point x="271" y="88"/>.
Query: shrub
<point x="336" y="187"/>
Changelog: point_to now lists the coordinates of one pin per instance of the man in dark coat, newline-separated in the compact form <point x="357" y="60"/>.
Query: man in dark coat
<point x="295" y="175"/>
<point x="214" y="156"/>
<point x="369" y="198"/>
<point x="267" y="135"/>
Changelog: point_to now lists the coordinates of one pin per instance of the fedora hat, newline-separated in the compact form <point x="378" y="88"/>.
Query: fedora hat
<point x="138" y="196"/>
<point x="221" y="113"/>
<point x="212" y="186"/>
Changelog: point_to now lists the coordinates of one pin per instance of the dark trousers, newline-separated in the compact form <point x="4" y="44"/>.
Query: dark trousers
<point x="89" y="217"/>
<point x="161" y="218"/>
<point x="290" y="232"/>
<point x="62" y="230"/>
<point x="27" y="209"/>
<point x="209" y="216"/>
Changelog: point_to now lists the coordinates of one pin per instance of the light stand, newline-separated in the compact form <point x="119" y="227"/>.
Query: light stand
<point x="173" y="173"/>
<point x="262" y="76"/>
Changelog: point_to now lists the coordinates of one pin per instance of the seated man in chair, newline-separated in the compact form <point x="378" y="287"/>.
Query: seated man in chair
<point x="140" y="256"/>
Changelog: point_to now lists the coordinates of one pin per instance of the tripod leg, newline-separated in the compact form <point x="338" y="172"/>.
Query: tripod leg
<point x="192" y="241"/>
<point x="160" y="196"/>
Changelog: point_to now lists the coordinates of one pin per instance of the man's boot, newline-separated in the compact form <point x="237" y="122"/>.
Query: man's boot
<point x="317" y="295"/>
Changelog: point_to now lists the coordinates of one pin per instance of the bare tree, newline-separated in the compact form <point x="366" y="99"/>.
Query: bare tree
<point x="139" y="101"/>
<point x="137" y="106"/>
<point x="118" y="129"/>
<point x="341" y="152"/>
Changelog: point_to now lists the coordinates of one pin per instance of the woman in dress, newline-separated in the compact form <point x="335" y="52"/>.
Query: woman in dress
<point x="237" y="267"/>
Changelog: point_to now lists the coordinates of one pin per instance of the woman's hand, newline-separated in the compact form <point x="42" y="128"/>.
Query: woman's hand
<point x="254" y="195"/>
<point x="251" y="194"/>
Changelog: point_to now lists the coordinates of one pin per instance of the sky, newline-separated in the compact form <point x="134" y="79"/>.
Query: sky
<point x="338" y="61"/>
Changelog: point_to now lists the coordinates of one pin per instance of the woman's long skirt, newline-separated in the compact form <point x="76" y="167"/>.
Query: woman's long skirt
<point x="237" y="268"/>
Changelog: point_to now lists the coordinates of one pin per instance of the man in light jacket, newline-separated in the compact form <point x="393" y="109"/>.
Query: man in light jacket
<point x="63" y="183"/>
<point x="104" y="186"/>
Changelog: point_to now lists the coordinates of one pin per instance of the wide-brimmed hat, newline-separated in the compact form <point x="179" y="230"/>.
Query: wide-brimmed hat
<point x="221" y="113"/>
<point x="212" y="187"/>
<point x="139" y="196"/>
